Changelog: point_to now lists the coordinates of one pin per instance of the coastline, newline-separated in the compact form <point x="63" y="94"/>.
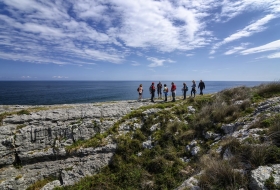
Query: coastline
<point x="146" y="101"/>
<point x="50" y="92"/>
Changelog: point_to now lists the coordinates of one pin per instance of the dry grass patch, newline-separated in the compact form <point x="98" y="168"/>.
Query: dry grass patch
<point x="219" y="174"/>
<point x="274" y="131"/>
<point x="268" y="90"/>
<point x="41" y="183"/>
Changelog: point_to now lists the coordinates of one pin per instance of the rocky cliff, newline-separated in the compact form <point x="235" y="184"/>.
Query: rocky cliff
<point x="33" y="141"/>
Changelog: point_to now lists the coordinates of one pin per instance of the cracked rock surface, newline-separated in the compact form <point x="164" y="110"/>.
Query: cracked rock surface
<point x="32" y="145"/>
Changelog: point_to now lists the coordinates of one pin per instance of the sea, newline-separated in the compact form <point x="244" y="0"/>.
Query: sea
<point x="74" y="92"/>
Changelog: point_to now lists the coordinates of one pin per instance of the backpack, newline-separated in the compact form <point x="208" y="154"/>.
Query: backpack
<point x="152" y="89"/>
<point x="138" y="89"/>
<point x="166" y="89"/>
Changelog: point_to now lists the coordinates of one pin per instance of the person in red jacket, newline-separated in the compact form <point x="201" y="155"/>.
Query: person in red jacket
<point x="173" y="91"/>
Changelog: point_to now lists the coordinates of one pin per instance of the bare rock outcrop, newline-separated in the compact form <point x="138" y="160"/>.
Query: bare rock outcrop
<point x="33" y="145"/>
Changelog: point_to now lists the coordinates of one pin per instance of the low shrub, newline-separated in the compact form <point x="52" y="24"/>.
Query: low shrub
<point x="233" y="94"/>
<point x="231" y="144"/>
<point x="273" y="155"/>
<point x="268" y="90"/>
<point x="219" y="174"/>
<point x="186" y="136"/>
<point x="255" y="155"/>
<point x="274" y="130"/>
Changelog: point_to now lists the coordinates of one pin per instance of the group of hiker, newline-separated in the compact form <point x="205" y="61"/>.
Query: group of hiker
<point x="159" y="88"/>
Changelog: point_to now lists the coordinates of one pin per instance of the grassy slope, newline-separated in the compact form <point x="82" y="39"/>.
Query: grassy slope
<point x="161" y="167"/>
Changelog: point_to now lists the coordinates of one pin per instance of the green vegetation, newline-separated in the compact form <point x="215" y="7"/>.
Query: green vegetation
<point x="97" y="140"/>
<point x="161" y="166"/>
<point x="18" y="177"/>
<point x="41" y="183"/>
<point x="268" y="90"/>
<point x="20" y="126"/>
<point x="269" y="183"/>
<point x="3" y="116"/>
<point x="23" y="112"/>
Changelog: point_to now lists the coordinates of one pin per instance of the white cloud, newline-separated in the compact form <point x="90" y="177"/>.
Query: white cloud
<point x="26" y="77"/>
<point x="155" y="62"/>
<point x="236" y="49"/>
<point x="84" y="31"/>
<point x="275" y="45"/>
<point x="104" y="56"/>
<point x="233" y="8"/>
<point x="249" y="30"/>
<point x="60" y="77"/>
<point x="158" y="62"/>
<point x="135" y="64"/>
<point x="190" y="55"/>
<point x="274" y="56"/>
<point x="35" y="39"/>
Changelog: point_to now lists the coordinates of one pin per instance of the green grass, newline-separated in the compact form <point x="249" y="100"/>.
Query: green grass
<point x="4" y="115"/>
<point x="20" y="126"/>
<point x="95" y="141"/>
<point x="158" y="168"/>
<point x="23" y="112"/>
<point x="133" y="167"/>
<point x="41" y="183"/>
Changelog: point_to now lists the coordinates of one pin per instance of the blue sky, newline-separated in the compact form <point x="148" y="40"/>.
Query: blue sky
<point x="182" y="40"/>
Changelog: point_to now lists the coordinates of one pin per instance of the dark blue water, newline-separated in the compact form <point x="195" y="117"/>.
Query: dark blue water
<point x="68" y="92"/>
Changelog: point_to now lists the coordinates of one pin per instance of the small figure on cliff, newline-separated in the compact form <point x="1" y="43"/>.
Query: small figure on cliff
<point x="173" y="91"/>
<point x="140" y="91"/>
<point x="184" y="90"/>
<point x="193" y="91"/>
<point x="152" y="92"/>
<point x="165" y="91"/>
<point x="159" y="87"/>
<point x="201" y="86"/>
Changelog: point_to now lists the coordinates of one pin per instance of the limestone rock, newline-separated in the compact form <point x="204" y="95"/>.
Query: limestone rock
<point x="37" y="142"/>
<point x="263" y="173"/>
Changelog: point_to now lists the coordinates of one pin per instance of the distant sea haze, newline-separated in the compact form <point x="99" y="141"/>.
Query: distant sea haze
<point x="71" y="92"/>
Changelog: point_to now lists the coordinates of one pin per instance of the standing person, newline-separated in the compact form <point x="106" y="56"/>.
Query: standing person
<point x="173" y="91"/>
<point x="140" y="91"/>
<point x="159" y="87"/>
<point x="201" y="86"/>
<point x="185" y="89"/>
<point x="193" y="88"/>
<point x="165" y="91"/>
<point x="152" y="92"/>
